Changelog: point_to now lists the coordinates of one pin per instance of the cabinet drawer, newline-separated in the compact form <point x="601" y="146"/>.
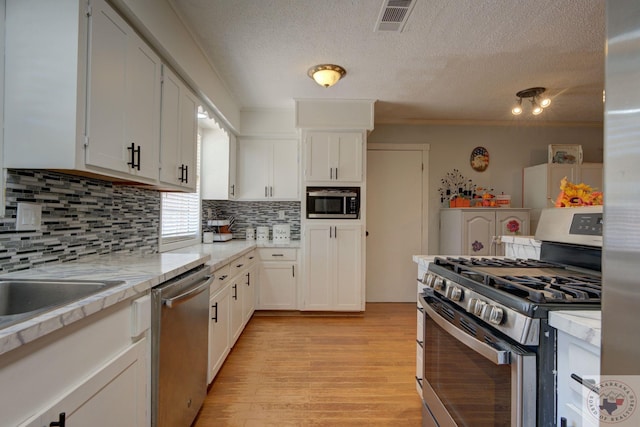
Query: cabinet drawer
<point x="220" y="277"/>
<point x="277" y="254"/>
<point x="239" y="264"/>
<point x="250" y="257"/>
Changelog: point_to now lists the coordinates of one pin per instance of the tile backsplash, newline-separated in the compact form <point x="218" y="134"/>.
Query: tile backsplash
<point x="252" y="214"/>
<point x="80" y="216"/>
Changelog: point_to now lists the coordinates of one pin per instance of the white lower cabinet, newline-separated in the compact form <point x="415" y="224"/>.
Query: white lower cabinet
<point x="471" y="231"/>
<point x="92" y="371"/>
<point x="333" y="267"/>
<point x="219" y="342"/>
<point x="278" y="279"/>
<point x="232" y="304"/>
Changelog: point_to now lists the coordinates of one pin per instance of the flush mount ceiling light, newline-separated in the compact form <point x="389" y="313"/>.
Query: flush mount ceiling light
<point x="538" y="101"/>
<point x="326" y="74"/>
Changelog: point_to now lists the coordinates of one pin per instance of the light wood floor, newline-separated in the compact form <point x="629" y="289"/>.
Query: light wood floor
<point x="308" y="370"/>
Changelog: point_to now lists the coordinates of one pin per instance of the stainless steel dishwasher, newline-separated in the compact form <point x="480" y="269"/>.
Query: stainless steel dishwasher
<point x="179" y="328"/>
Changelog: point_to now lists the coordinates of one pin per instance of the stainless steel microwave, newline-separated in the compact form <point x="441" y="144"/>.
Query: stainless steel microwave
<point x="333" y="202"/>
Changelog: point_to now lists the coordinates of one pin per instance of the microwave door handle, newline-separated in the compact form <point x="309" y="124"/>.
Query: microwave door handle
<point x="498" y="357"/>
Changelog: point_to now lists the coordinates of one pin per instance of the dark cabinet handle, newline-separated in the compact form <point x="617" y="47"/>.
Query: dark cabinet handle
<point x="135" y="152"/>
<point x="293" y="271"/>
<point x="239" y="265"/>
<point x="186" y="173"/>
<point x="336" y="173"/>
<point x="330" y="173"/>
<point x="590" y="384"/>
<point x="277" y="254"/>
<point x="248" y="279"/>
<point x="61" y="420"/>
<point x="215" y="318"/>
<point x="235" y="292"/>
<point x="222" y="277"/>
<point x="233" y="189"/>
<point x="183" y="173"/>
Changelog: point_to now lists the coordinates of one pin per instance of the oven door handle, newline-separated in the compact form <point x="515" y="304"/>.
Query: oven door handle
<point x="178" y="299"/>
<point x="498" y="357"/>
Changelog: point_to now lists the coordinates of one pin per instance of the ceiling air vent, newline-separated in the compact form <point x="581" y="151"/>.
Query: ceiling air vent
<point x="394" y="15"/>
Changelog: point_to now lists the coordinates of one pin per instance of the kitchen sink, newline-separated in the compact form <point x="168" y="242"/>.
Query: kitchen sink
<point x="21" y="299"/>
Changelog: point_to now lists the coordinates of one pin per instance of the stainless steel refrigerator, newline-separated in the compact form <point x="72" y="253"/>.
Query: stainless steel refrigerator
<point x="621" y="244"/>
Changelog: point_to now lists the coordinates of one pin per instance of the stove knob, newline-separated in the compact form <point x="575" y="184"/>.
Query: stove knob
<point x="479" y="308"/>
<point x="453" y="293"/>
<point x="438" y="284"/>
<point x="471" y="305"/>
<point x="496" y="315"/>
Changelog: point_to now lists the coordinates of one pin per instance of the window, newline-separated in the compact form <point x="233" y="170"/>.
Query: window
<point x="180" y="215"/>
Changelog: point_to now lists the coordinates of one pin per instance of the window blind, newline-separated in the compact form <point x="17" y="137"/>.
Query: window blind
<point x="180" y="212"/>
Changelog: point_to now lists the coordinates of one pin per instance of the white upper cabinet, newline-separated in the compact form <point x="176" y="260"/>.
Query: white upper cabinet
<point x="82" y="92"/>
<point x="178" y="135"/>
<point x="218" y="172"/>
<point x="333" y="157"/>
<point x="268" y="169"/>
<point x="123" y="120"/>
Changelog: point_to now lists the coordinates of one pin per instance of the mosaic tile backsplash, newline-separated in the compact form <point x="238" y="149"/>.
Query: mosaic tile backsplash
<point x="80" y="216"/>
<point x="252" y="214"/>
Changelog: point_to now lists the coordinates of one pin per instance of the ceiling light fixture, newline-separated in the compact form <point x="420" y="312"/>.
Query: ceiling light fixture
<point x="326" y="75"/>
<point x="538" y="101"/>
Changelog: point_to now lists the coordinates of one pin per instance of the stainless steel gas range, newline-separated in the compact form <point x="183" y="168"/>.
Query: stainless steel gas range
<point x="488" y="353"/>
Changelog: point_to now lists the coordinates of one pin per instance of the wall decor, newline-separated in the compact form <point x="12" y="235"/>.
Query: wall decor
<point x="479" y="159"/>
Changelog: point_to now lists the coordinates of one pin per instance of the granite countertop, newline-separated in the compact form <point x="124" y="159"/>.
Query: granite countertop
<point x="139" y="273"/>
<point x="520" y="240"/>
<point x="222" y="253"/>
<point x="584" y="325"/>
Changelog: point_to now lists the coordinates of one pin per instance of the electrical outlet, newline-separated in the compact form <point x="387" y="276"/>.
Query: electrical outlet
<point x="280" y="214"/>
<point x="28" y="217"/>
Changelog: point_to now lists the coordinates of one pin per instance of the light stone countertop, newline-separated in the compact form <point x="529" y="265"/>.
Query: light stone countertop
<point x="585" y="325"/>
<point x="222" y="253"/>
<point x="139" y="272"/>
<point x="520" y="240"/>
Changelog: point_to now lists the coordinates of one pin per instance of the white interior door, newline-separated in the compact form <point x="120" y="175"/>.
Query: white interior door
<point x="394" y="223"/>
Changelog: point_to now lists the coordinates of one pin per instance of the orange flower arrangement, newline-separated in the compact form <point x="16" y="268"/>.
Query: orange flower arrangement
<point x="577" y="195"/>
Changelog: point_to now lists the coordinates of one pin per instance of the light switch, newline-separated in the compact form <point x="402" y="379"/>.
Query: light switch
<point x="28" y="217"/>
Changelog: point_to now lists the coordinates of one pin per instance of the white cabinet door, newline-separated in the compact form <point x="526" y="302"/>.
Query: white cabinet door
<point x="123" y="112"/>
<point x="318" y="266"/>
<point x="479" y="229"/>
<point x="277" y="286"/>
<point x="218" y="171"/>
<point x="114" y="395"/>
<point x="268" y="170"/>
<point x="249" y="297"/>
<point x="237" y="293"/>
<point x="178" y="133"/>
<point x="285" y="180"/>
<point x="556" y="173"/>
<point x="591" y="174"/>
<point x="219" y="330"/>
<point x="348" y="265"/>
<point x="333" y="156"/>
<point x="254" y="167"/>
<point x="333" y="267"/>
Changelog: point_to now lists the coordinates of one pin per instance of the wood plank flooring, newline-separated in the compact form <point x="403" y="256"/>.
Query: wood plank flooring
<point x="310" y="370"/>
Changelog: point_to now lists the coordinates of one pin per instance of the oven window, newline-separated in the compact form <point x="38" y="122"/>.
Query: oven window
<point x="474" y="391"/>
<point x="328" y="205"/>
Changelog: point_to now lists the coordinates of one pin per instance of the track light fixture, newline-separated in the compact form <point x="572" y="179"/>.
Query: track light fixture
<point x="538" y="101"/>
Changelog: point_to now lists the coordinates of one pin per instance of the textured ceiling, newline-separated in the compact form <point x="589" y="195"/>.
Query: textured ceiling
<point x="460" y="60"/>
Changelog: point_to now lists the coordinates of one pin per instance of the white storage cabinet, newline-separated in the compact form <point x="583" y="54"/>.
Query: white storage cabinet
<point x="232" y="304"/>
<point x="218" y="172"/>
<point x="333" y="157"/>
<point x="95" y="371"/>
<point x="541" y="184"/>
<point x="470" y="231"/>
<point x="278" y="279"/>
<point x="178" y="136"/>
<point x="268" y="169"/>
<point x="333" y="267"/>
<point x="109" y="79"/>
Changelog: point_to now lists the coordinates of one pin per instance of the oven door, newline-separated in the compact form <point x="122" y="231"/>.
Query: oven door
<point x="472" y="376"/>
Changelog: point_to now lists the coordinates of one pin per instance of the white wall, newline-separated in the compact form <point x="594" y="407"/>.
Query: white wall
<point x="511" y="148"/>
